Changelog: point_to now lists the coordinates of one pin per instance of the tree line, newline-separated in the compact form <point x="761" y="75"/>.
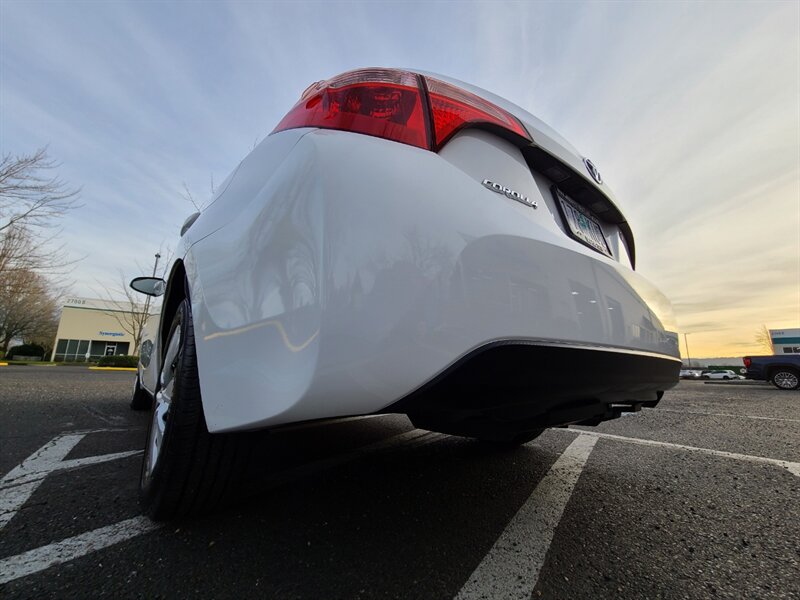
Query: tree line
<point x="33" y="265"/>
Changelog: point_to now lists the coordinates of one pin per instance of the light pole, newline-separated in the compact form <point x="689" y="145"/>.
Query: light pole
<point x="147" y="301"/>
<point x="688" y="356"/>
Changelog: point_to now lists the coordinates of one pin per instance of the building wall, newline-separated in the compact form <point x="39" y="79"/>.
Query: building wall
<point x="89" y="325"/>
<point x="785" y="341"/>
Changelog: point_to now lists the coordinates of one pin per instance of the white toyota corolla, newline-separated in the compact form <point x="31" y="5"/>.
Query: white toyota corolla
<point x="401" y="243"/>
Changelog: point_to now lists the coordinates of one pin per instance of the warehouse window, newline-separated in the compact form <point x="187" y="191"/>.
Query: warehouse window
<point x="71" y="350"/>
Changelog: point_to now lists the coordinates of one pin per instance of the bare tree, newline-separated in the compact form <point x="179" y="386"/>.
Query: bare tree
<point x="764" y="340"/>
<point x="132" y="313"/>
<point x="15" y="248"/>
<point x="28" y="195"/>
<point x="187" y="195"/>
<point x="44" y="335"/>
<point x="32" y="200"/>
<point x="28" y="306"/>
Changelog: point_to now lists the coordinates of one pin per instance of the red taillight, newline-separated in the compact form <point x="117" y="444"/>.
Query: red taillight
<point x="453" y="108"/>
<point x="377" y="102"/>
<point x="746" y="360"/>
<point x="394" y="105"/>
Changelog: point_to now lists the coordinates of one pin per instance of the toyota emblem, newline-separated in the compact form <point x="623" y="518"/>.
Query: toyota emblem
<point x="593" y="171"/>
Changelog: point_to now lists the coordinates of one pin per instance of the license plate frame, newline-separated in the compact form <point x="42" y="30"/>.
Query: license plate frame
<point x="581" y="224"/>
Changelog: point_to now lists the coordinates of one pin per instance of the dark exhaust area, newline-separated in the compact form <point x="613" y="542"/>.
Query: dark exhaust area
<point x="511" y="387"/>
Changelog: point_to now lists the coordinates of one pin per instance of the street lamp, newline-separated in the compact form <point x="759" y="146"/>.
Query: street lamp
<point x="147" y="300"/>
<point x="686" y="343"/>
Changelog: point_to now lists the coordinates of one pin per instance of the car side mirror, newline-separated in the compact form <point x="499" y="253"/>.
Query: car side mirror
<point x="152" y="286"/>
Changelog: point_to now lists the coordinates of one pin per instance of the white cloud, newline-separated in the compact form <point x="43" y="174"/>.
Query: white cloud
<point x="689" y="109"/>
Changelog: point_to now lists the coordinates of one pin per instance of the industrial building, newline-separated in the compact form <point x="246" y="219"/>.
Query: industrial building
<point x="90" y="328"/>
<point x="785" y="341"/>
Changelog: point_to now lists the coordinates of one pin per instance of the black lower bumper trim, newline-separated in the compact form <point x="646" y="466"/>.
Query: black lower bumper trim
<point x="520" y="386"/>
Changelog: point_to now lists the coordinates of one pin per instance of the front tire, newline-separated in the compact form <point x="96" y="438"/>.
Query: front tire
<point x="785" y="379"/>
<point x="185" y="470"/>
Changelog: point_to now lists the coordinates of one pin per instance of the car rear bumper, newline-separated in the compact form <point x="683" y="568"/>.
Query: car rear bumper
<point x="348" y="283"/>
<point x="508" y="387"/>
<point x="755" y="374"/>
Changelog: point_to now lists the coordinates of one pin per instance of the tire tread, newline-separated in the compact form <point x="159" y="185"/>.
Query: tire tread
<point x="196" y="470"/>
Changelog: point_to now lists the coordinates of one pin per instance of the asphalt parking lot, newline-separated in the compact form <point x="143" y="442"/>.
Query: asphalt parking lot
<point x="697" y="498"/>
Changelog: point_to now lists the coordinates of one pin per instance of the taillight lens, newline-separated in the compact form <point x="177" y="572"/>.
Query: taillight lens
<point x="380" y="102"/>
<point x="453" y="108"/>
<point x="395" y="105"/>
<point x="747" y="362"/>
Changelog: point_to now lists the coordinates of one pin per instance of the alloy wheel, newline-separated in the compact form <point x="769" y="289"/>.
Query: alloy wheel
<point x="786" y="380"/>
<point x="163" y="401"/>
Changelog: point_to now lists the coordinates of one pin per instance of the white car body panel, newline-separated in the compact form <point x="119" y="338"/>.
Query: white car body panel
<point x="335" y="273"/>
<point x="543" y="135"/>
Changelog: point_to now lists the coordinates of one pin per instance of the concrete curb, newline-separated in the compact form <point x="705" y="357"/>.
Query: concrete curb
<point x="112" y="368"/>
<point x="734" y="382"/>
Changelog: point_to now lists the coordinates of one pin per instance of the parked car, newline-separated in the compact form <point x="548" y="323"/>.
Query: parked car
<point x="690" y="374"/>
<point x="720" y="374"/>
<point x="406" y="243"/>
<point x="783" y="370"/>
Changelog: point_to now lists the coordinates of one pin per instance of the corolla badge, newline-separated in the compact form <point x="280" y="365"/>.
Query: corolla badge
<point x="509" y="193"/>
<point x="593" y="171"/>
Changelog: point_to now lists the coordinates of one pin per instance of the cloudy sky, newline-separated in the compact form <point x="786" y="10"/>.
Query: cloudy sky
<point x="691" y="110"/>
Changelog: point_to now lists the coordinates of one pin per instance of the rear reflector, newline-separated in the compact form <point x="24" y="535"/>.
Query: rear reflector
<point x="398" y="106"/>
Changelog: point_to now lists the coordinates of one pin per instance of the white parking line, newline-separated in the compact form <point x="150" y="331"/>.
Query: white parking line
<point x="38" y="559"/>
<point x="792" y="467"/>
<point x="511" y="568"/>
<point x="710" y="414"/>
<point x="17" y="486"/>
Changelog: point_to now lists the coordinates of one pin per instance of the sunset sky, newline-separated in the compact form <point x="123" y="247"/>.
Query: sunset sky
<point x="690" y="110"/>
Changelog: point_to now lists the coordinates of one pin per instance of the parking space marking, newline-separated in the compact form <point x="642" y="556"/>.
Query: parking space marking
<point x="38" y="559"/>
<point x="792" y="467"/>
<point x="48" y="459"/>
<point x="18" y="485"/>
<point x="710" y="414"/>
<point x="511" y="568"/>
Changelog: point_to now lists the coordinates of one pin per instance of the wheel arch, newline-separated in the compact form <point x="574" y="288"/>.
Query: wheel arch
<point x="177" y="291"/>
<point x="782" y="367"/>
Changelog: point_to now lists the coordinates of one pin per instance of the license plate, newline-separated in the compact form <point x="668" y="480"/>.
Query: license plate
<point x="581" y="223"/>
